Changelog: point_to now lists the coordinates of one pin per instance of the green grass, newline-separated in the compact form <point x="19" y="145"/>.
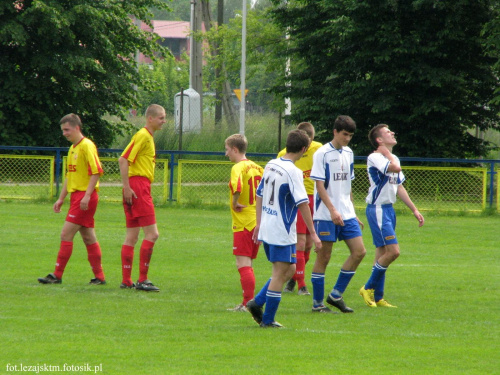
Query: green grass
<point x="445" y="284"/>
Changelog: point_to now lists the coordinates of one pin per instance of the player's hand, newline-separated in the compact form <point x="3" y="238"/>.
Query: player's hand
<point x="360" y="223"/>
<point x="239" y="207"/>
<point x="255" y="235"/>
<point x="419" y="217"/>
<point x="128" y="195"/>
<point x="57" y="206"/>
<point x="84" y="203"/>
<point x="337" y="218"/>
<point x="317" y="242"/>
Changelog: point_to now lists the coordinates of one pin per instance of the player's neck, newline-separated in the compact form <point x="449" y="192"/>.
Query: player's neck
<point x="336" y="144"/>
<point x="78" y="139"/>
<point x="292" y="156"/>
<point x="240" y="157"/>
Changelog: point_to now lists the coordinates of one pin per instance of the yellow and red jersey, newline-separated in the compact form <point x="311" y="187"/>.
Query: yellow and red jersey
<point x="305" y="165"/>
<point x="245" y="178"/>
<point x="82" y="163"/>
<point x="141" y="155"/>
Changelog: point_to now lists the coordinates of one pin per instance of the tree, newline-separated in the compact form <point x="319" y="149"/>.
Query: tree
<point x="58" y="57"/>
<point x="417" y="65"/>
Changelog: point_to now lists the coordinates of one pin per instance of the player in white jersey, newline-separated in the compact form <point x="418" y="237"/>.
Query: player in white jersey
<point x="334" y="216"/>
<point x="386" y="179"/>
<point x="280" y="193"/>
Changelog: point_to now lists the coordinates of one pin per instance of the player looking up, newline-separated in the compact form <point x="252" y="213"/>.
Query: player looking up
<point x="334" y="215"/>
<point x="280" y="193"/>
<point x="245" y="177"/>
<point x="137" y="169"/>
<point x="386" y="182"/>
<point x="83" y="170"/>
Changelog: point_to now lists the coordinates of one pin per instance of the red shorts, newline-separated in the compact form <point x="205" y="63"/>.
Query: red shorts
<point x="301" y="224"/>
<point x="243" y="244"/>
<point x="76" y="215"/>
<point x="142" y="211"/>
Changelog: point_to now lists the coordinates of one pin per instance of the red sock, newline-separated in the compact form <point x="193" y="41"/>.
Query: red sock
<point x="306" y="256"/>
<point x="94" y="255"/>
<point x="247" y="279"/>
<point x="300" y="268"/>
<point x="65" y="251"/>
<point x="145" y="258"/>
<point x="127" y="260"/>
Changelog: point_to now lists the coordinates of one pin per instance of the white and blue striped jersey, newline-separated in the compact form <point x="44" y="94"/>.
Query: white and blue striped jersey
<point x="282" y="190"/>
<point x="336" y="169"/>
<point x="383" y="185"/>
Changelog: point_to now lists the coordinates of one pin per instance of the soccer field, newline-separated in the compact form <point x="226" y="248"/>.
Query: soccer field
<point x="445" y="284"/>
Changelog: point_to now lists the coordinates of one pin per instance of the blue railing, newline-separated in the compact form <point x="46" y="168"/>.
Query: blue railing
<point x="173" y="156"/>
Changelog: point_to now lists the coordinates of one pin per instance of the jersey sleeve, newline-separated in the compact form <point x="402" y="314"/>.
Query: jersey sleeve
<point x="299" y="191"/>
<point x="93" y="162"/>
<point x="318" y="168"/>
<point x="133" y="148"/>
<point x="236" y="180"/>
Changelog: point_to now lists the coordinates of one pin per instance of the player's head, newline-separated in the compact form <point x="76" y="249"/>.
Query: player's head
<point x="346" y="123"/>
<point x="236" y="146"/>
<point x="155" y="117"/>
<point x="381" y="134"/>
<point x="71" y="127"/>
<point x="308" y="128"/>
<point x="296" y="141"/>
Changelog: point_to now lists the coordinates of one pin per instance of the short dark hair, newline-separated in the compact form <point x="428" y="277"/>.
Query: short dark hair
<point x="344" y="122"/>
<point x="239" y="141"/>
<point x="72" y="119"/>
<point x="375" y="133"/>
<point x="296" y="140"/>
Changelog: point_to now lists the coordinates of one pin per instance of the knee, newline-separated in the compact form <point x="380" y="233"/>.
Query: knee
<point x="153" y="236"/>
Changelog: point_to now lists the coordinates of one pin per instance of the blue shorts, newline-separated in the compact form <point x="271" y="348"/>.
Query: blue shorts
<point x="275" y="253"/>
<point x="327" y="231"/>
<point x="382" y="221"/>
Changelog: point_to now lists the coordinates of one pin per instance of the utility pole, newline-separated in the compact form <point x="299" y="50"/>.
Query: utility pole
<point x="218" y="88"/>
<point x="196" y="77"/>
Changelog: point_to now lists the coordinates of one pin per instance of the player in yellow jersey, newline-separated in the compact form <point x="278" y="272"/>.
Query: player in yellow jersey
<point x="245" y="177"/>
<point x="137" y="168"/>
<point x="304" y="241"/>
<point x="83" y="170"/>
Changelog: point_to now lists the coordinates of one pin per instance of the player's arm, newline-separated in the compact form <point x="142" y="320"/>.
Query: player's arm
<point x="394" y="166"/>
<point x="59" y="202"/>
<point x="359" y="221"/>
<point x="306" y="215"/>
<point x="323" y="194"/>
<point x="237" y="207"/>
<point x="128" y="193"/>
<point x="84" y="203"/>
<point x="258" y="215"/>
<point x="403" y="195"/>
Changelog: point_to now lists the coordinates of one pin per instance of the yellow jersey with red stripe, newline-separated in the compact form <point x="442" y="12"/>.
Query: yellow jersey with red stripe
<point x="305" y="165"/>
<point x="141" y="155"/>
<point x="82" y="163"/>
<point x="245" y="178"/>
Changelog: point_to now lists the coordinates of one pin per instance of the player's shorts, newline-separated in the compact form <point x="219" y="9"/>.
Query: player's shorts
<point x="301" y="224"/>
<point x="382" y="221"/>
<point x="275" y="253"/>
<point x="243" y="244"/>
<point x="142" y="211"/>
<point x="327" y="231"/>
<point x="76" y="215"/>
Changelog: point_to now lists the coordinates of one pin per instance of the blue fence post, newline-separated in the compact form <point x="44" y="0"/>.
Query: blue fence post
<point x="492" y="174"/>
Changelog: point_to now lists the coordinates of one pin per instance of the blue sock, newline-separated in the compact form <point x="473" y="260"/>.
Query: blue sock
<point x="342" y="282"/>
<point x="272" y="302"/>
<point x="377" y="273"/>
<point x="260" y="298"/>
<point x="379" y="288"/>
<point x="318" y="283"/>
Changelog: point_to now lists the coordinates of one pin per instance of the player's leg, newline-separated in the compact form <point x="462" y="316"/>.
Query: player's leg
<point x="386" y="255"/>
<point x="323" y="256"/>
<point x="127" y="255"/>
<point x="66" y="247"/>
<point x="146" y="251"/>
<point x="282" y="271"/>
<point x="245" y="250"/>
<point x="94" y="254"/>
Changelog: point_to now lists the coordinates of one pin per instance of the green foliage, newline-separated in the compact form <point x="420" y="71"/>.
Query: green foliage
<point x="58" y="57"/>
<point x="418" y="66"/>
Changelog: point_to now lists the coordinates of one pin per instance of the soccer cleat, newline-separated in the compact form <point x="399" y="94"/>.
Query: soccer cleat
<point x="367" y="295"/>
<point x="97" y="281"/>
<point x="271" y="325"/>
<point x="384" y="303"/>
<point x="127" y="286"/>
<point x="239" y="308"/>
<point x="303" y="291"/>
<point x="322" y="309"/>
<point x="339" y="304"/>
<point x="147" y="286"/>
<point x="255" y="310"/>
<point x="49" y="279"/>
<point x="290" y="286"/>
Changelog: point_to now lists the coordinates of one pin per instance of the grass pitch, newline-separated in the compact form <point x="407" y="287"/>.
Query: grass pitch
<point x="445" y="284"/>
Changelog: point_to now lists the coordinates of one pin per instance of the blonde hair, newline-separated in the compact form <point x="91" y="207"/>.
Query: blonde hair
<point x="308" y="128"/>
<point x="239" y="141"/>
<point x="154" y="110"/>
